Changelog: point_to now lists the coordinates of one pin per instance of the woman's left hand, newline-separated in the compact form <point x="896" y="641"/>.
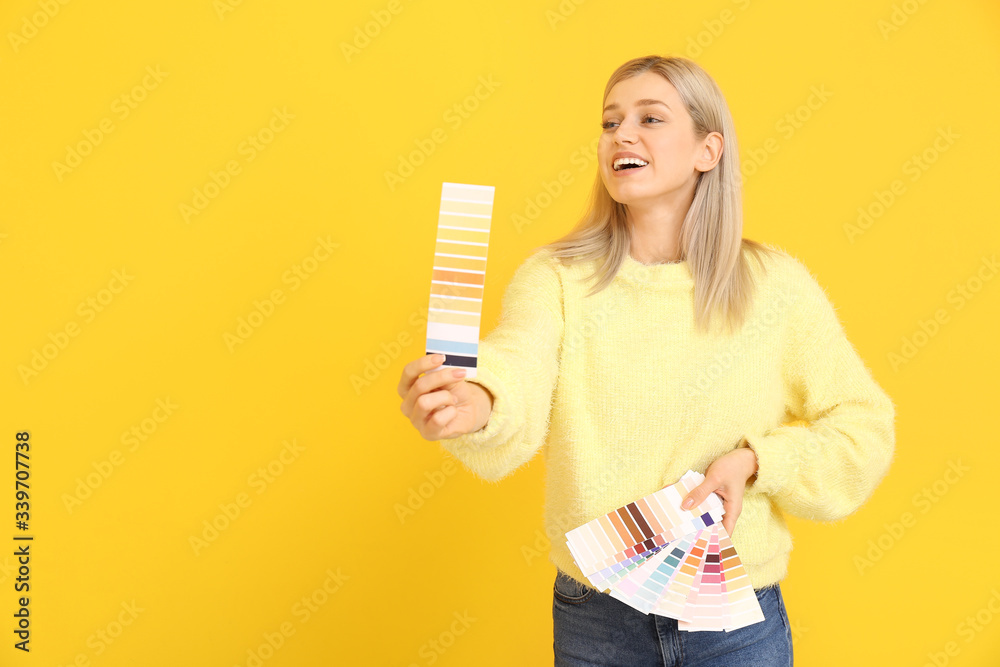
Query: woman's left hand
<point x="727" y="476"/>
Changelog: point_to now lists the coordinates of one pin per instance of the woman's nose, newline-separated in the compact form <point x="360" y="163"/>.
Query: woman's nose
<point x="623" y="137"/>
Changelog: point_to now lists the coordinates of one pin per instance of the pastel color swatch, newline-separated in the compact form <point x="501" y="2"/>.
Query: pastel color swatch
<point x="459" y="275"/>
<point x="661" y="559"/>
<point x="610" y="545"/>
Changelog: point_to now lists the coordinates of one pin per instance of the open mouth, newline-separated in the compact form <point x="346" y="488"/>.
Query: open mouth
<point x="628" y="164"/>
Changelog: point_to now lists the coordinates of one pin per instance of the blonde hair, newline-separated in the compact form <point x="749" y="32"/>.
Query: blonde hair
<point x="711" y="235"/>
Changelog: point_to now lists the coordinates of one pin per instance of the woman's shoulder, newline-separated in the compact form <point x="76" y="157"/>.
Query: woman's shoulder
<point x="538" y="271"/>
<point x="778" y="263"/>
<point x="540" y="262"/>
<point x="790" y="278"/>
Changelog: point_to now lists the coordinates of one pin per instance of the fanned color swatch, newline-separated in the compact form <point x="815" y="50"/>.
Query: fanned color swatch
<point x="456" y="304"/>
<point x="661" y="559"/>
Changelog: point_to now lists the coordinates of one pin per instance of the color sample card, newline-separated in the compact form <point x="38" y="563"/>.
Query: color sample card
<point x="660" y="559"/>
<point x="624" y="538"/>
<point x="459" y="276"/>
<point x="676" y="595"/>
<point x="645" y="594"/>
<point x="733" y="604"/>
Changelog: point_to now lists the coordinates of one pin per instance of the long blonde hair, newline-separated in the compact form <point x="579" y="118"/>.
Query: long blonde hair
<point x="711" y="235"/>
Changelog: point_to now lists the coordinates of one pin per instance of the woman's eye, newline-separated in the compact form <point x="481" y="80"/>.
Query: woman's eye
<point x="607" y="125"/>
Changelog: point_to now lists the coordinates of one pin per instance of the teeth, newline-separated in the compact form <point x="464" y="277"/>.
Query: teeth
<point x="628" y="160"/>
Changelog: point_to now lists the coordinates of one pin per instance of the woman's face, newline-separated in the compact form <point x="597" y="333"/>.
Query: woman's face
<point x="644" y="115"/>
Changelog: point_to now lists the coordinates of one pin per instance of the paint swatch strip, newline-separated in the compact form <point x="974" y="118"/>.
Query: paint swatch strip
<point x="675" y="597"/>
<point x="647" y="594"/>
<point x="459" y="276"/>
<point x="737" y="604"/>
<point x="601" y="546"/>
<point x="660" y="559"/>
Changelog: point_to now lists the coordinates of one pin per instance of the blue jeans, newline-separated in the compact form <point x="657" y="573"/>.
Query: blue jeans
<point x="592" y="628"/>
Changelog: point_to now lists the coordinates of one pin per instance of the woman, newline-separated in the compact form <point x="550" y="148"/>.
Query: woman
<point x="694" y="349"/>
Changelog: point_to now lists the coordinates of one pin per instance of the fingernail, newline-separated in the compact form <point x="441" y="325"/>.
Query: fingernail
<point x="688" y="503"/>
<point x="437" y="358"/>
<point x="459" y="372"/>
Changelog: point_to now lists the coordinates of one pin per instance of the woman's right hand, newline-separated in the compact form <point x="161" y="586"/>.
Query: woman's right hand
<point x="441" y="404"/>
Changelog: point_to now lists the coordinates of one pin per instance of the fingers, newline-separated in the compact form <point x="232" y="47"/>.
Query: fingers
<point x="412" y="371"/>
<point x="729" y="520"/>
<point x="697" y="495"/>
<point x="430" y="406"/>
<point x="427" y="400"/>
<point x="732" y="503"/>
<point x="728" y="523"/>
<point x="733" y="508"/>
<point x="432" y="380"/>
<point x="437" y="420"/>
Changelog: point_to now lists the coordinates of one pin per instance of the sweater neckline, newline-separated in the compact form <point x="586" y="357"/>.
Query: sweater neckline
<point x="653" y="275"/>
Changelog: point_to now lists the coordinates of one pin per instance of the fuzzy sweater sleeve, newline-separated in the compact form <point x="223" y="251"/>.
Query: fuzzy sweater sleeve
<point x="827" y="469"/>
<point x="518" y="362"/>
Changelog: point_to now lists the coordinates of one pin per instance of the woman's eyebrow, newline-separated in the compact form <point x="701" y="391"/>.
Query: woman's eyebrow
<point x="640" y="103"/>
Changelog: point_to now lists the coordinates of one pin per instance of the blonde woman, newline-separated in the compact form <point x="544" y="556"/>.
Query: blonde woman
<point x="653" y="339"/>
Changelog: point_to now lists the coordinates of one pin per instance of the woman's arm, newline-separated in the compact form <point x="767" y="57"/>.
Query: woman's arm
<point x="829" y="468"/>
<point x="517" y="367"/>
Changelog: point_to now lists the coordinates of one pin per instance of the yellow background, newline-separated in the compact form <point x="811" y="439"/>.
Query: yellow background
<point x="462" y="578"/>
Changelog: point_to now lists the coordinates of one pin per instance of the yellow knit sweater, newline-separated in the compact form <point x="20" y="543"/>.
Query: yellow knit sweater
<point x="623" y="395"/>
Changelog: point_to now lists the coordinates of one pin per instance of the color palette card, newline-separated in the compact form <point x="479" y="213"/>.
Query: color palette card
<point x="456" y="304"/>
<point x="610" y="546"/>
<point x="660" y="559"/>
<point x="724" y="598"/>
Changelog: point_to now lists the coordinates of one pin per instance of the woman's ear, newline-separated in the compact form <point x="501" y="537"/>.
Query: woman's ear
<point x="711" y="152"/>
